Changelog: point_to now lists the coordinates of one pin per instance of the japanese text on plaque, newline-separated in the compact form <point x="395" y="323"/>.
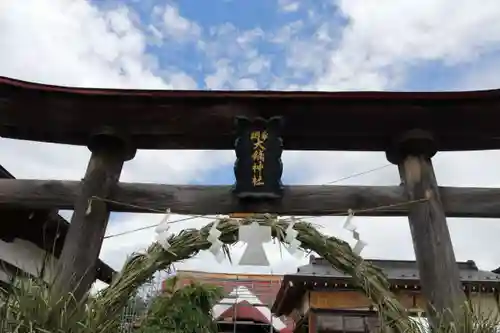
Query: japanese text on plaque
<point x="258" y="139"/>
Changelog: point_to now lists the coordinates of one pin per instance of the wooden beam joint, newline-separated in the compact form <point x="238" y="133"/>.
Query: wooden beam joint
<point x="414" y="142"/>
<point x="109" y="139"/>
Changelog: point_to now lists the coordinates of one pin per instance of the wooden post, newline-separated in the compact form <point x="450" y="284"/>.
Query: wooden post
<point x="312" y="324"/>
<point x="90" y="217"/>
<point x="439" y="274"/>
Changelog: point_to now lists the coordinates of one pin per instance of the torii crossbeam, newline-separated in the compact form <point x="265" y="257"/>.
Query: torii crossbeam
<point x="409" y="127"/>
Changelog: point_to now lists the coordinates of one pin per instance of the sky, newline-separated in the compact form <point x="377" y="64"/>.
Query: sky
<point x="387" y="45"/>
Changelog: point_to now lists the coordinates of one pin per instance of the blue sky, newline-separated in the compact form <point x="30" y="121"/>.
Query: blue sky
<point x="414" y="45"/>
<point x="221" y="23"/>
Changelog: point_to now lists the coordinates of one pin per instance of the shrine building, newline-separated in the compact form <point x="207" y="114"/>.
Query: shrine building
<point x="246" y="304"/>
<point x="318" y="298"/>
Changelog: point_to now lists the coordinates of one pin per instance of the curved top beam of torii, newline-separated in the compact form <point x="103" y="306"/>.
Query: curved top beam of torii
<point x="168" y="119"/>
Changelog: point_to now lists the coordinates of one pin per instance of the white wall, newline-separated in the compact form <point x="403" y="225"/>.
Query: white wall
<point x="486" y="304"/>
<point x="26" y="256"/>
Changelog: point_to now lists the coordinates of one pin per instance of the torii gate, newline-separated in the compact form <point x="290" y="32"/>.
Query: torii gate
<point x="409" y="127"/>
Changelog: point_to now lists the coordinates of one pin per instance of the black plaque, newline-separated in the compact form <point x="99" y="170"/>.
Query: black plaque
<point x="258" y="167"/>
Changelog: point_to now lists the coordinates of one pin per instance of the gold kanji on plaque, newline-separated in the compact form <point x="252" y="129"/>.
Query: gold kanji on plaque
<point x="258" y="156"/>
<point x="257" y="178"/>
<point x="258" y="139"/>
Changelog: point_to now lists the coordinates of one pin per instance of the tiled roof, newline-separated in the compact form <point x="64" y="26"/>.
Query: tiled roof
<point x="397" y="270"/>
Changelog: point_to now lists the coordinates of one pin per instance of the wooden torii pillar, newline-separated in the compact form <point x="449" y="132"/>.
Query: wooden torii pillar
<point x="439" y="274"/>
<point x="90" y="217"/>
<point x="55" y="114"/>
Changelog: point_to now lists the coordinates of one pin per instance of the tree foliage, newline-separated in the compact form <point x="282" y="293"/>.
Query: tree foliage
<point x="182" y="309"/>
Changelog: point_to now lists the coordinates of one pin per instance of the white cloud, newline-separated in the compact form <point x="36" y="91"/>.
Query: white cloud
<point x="381" y="40"/>
<point x="175" y="26"/>
<point x="289" y="5"/>
<point x="221" y="77"/>
<point x="258" y="65"/>
<point x="449" y="30"/>
<point x="235" y="61"/>
<point x="75" y="44"/>
<point x="246" y="84"/>
<point x="71" y="43"/>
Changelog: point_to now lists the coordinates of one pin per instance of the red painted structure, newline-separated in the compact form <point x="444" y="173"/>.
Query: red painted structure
<point x="248" y="297"/>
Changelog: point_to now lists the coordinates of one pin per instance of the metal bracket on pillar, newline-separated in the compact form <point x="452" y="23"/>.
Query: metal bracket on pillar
<point x="439" y="275"/>
<point x="110" y="149"/>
